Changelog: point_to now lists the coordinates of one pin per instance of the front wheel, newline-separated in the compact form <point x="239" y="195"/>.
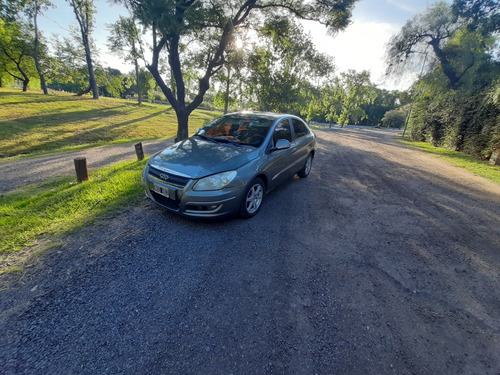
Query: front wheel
<point x="306" y="169"/>
<point x="252" y="200"/>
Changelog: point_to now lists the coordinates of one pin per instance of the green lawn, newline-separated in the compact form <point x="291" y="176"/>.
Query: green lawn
<point x="33" y="124"/>
<point x="479" y="167"/>
<point x="34" y="217"/>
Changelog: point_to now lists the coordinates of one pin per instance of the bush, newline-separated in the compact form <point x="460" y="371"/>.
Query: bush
<point x="396" y="118"/>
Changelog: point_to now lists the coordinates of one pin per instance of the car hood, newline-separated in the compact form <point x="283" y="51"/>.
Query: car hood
<point x="196" y="157"/>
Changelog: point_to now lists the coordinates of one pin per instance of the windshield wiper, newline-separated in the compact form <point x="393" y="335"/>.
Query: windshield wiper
<point x="227" y="140"/>
<point x="205" y="138"/>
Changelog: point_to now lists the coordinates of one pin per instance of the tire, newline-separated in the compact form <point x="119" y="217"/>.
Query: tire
<point x="253" y="198"/>
<point x="306" y="169"/>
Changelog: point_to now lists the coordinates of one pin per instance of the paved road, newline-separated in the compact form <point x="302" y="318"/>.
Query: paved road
<point x="36" y="170"/>
<point x="384" y="261"/>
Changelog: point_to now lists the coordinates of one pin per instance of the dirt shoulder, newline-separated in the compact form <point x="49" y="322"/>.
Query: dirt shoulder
<point x="36" y="170"/>
<point x="384" y="260"/>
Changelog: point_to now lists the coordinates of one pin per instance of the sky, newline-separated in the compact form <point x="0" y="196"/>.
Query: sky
<point x="360" y="47"/>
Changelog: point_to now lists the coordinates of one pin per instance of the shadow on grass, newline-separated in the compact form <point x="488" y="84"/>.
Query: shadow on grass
<point x="97" y="135"/>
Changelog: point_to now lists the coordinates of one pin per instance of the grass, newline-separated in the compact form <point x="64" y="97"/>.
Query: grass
<point x="35" y="216"/>
<point x="34" y="124"/>
<point x="479" y="167"/>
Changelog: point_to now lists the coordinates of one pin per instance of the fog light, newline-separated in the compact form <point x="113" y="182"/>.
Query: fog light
<point x="203" y="208"/>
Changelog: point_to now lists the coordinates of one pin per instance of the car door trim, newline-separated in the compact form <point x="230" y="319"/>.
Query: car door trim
<point x="287" y="168"/>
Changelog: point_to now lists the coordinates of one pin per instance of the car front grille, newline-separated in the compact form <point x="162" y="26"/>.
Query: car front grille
<point x="168" y="178"/>
<point x="166" y="202"/>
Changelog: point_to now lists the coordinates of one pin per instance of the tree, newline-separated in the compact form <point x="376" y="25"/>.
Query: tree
<point x="432" y="28"/>
<point x="33" y="8"/>
<point x="16" y="45"/>
<point x="357" y="91"/>
<point x="479" y="14"/>
<point x="147" y="83"/>
<point x="207" y="27"/>
<point x="111" y="82"/>
<point x="284" y="67"/>
<point x="9" y="10"/>
<point x="124" y="40"/>
<point x="235" y="64"/>
<point x="69" y="71"/>
<point x="84" y="11"/>
<point x="452" y="101"/>
<point x="326" y="103"/>
<point x="396" y="118"/>
<point x="384" y="101"/>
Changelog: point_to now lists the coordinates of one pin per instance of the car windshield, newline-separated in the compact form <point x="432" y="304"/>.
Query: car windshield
<point x="240" y="130"/>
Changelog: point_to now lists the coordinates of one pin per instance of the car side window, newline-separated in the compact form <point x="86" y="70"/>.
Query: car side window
<point x="299" y="128"/>
<point x="282" y="131"/>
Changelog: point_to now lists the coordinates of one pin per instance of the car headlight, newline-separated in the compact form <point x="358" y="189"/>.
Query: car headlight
<point x="216" y="181"/>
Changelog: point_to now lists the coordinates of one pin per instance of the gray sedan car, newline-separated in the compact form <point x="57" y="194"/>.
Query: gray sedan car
<point x="230" y="164"/>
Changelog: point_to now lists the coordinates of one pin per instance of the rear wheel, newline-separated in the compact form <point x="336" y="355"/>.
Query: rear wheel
<point x="306" y="169"/>
<point x="252" y="200"/>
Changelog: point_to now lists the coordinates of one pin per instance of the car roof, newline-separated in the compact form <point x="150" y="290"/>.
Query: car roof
<point x="267" y="115"/>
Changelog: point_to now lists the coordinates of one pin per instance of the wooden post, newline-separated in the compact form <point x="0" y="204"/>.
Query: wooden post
<point x="139" y="151"/>
<point x="495" y="157"/>
<point x="81" y="169"/>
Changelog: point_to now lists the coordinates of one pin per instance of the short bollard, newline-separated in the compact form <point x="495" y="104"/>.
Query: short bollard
<point x="139" y="151"/>
<point x="81" y="169"/>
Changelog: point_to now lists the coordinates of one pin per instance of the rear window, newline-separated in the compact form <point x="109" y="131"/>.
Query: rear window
<point x="299" y="128"/>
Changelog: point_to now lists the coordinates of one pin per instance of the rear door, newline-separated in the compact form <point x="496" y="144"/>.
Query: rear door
<point x="299" y="145"/>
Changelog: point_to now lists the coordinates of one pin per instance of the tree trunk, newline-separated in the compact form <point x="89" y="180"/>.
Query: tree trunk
<point x="86" y="91"/>
<point x="138" y="81"/>
<point x="178" y="104"/>
<point x="448" y="69"/>
<point x="92" y="80"/>
<point x="43" y="84"/>
<point x="226" y="97"/>
<point x="25" y="79"/>
<point x="83" y="22"/>
<point x="182" y="124"/>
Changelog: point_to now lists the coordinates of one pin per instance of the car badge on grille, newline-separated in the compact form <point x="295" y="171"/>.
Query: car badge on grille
<point x="164" y="176"/>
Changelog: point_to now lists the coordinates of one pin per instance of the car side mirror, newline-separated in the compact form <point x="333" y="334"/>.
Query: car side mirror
<point x="281" y="144"/>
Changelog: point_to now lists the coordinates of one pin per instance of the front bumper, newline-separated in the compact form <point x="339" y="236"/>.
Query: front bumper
<point x="188" y="202"/>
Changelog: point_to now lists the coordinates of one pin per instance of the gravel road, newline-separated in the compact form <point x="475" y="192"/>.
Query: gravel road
<point x="35" y="170"/>
<point x="384" y="261"/>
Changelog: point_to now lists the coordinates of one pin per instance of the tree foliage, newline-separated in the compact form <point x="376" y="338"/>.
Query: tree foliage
<point x="16" y="47"/>
<point x="283" y="68"/>
<point x="33" y="9"/>
<point x="124" y="40"/>
<point x="357" y="90"/>
<point x="479" y="14"/>
<point x="396" y="118"/>
<point x="454" y="38"/>
<point x="462" y="114"/>
<point x="84" y="12"/>
<point x="385" y="101"/>
<point x="432" y="28"/>
<point x="202" y="30"/>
